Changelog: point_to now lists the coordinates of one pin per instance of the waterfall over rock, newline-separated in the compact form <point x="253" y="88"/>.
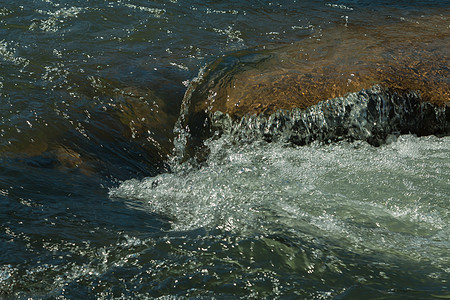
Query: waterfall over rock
<point x="375" y="115"/>
<point x="348" y="83"/>
<point x="371" y="115"/>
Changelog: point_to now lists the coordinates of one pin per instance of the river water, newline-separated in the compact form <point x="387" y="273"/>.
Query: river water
<point x="93" y="203"/>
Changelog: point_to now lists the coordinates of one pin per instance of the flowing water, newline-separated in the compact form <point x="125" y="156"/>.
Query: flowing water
<point x="93" y="203"/>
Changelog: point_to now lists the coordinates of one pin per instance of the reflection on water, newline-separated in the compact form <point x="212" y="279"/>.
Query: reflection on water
<point x="89" y="96"/>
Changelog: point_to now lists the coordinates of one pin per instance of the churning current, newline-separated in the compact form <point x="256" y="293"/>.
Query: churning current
<point x="343" y="218"/>
<point x="94" y="203"/>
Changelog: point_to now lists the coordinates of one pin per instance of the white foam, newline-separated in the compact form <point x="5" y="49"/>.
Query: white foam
<point x="392" y="198"/>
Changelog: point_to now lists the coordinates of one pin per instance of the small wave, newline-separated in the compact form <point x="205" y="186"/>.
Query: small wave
<point x="8" y="53"/>
<point x="53" y="23"/>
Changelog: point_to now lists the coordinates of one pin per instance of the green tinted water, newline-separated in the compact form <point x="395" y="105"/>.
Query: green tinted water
<point x="89" y="96"/>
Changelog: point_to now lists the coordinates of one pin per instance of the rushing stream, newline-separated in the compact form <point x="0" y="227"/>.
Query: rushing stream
<point x="99" y="199"/>
<point x="313" y="220"/>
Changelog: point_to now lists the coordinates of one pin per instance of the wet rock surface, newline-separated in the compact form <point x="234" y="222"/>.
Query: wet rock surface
<point x="411" y="55"/>
<point x="377" y="115"/>
<point x="391" y="79"/>
<point x="372" y="115"/>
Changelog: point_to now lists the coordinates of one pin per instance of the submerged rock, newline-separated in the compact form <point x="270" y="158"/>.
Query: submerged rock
<point x="384" y="80"/>
<point x="106" y="125"/>
<point x="410" y="55"/>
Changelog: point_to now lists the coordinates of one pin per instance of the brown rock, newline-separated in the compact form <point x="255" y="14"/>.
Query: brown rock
<point x="408" y="55"/>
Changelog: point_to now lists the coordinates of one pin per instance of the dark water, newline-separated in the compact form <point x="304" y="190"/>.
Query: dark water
<point x="89" y="95"/>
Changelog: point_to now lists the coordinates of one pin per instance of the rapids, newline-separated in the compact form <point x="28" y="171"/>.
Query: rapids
<point x="348" y="216"/>
<point x="105" y="195"/>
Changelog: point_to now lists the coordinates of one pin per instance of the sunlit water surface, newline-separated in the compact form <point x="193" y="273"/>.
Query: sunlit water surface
<point x="91" y="207"/>
<point x="334" y="219"/>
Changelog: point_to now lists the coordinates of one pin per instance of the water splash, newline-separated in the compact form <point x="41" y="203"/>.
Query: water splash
<point x="371" y="115"/>
<point x="375" y="115"/>
<point x="385" y="201"/>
